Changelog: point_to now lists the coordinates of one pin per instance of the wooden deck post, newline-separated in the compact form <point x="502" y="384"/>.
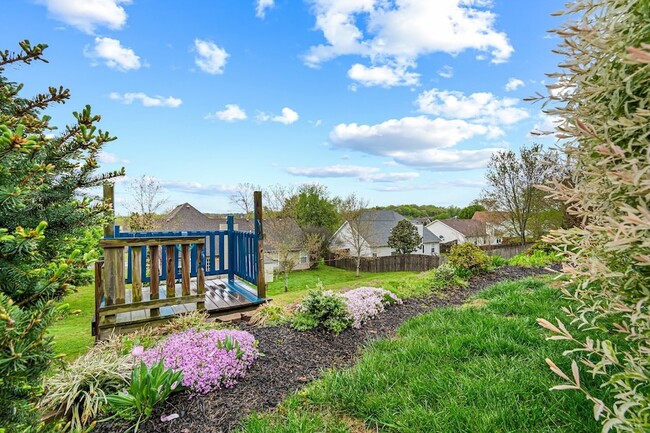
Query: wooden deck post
<point x="200" y="276"/>
<point x="109" y="197"/>
<point x="185" y="269"/>
<point x="99" y="292"/>
<point x="154" y="277"/>
<point x="170" y="250"/>
<point x="114" y="290"/>
<point x="231" y="248"/>
<point x="259" y="233"/>
<point x="136" y="274"/>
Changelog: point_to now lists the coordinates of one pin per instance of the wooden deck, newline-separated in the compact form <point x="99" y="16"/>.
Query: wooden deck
<point x="221" y="296"/>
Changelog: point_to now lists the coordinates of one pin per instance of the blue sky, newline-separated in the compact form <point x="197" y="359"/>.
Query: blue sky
<point x="400" y="101"/>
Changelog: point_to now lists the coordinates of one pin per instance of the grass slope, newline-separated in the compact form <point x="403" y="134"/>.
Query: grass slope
<point x="71" y="333"/>
<point x="477" y="368"/>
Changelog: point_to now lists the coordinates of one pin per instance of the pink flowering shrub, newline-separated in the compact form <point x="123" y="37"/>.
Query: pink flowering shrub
<point x="367" y="302"/>
<point x="209" y="359"/>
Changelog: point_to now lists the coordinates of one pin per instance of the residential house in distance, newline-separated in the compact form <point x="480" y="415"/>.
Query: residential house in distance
<point x="497" y="225"/>
<point x="375" y="227"/>
<point x="460" y="231"/>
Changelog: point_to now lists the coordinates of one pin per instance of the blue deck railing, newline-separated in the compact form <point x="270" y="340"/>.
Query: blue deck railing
<point x="226" y="252"/>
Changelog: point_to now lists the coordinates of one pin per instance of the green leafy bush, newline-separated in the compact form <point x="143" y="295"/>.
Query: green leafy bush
<point x="605" y="82"/>
<point x="470" y="257"/>
<point x="322" y="308"/>
<point x="446" y="276"/>
<point x="269" y="315"/>
<point x="148" y="387"/>
<point x="78" y="391"/>
<point x="496" y="261"/>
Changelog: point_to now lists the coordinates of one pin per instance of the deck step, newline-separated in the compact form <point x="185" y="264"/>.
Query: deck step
<point x="234" y="317"/>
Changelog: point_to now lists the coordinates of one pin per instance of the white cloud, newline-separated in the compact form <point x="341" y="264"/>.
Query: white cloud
<point x="262" y="6"/>
<point x="114" y="55"/>
<point x="197" y="187"/>
<point x="384" y="76"/>
<point x="418" y="142"/>
<point x="513" y="84"/>
<point x="461" y="183"/>
<point x="87" y="15"/>
<point x="400" y="31"/>
<point x="482" y="107"/>
<point x="146" y="100"/>
<point x="110" y="158"/>
<point x="287" y="117"/>
<point x="231" y="113"/>
<point x="366" y="174"/>
<point x="210" y="57"/>
<point x="446" y="71"/>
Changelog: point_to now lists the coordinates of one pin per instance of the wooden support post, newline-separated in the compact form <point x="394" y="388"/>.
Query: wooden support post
<point x="154" y="277"/>
<point x="109" y="197"/>
<point x="259" y="232"/>
<point x="114" y="277"/>
<point x="99" y="292"/>
<point x="170" y="252"/>
<point x="200" y="276"/>
<point x="231" y="248"/>
<point x="185" y="269"/>
<point x="136" y="274"/>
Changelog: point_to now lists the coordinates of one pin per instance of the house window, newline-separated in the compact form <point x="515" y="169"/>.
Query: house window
<point x="303" y="259"/>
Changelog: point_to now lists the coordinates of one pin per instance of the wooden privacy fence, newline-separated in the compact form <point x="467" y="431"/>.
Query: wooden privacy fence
<point x="405" y="262"/>
<point x="505" y="251"/>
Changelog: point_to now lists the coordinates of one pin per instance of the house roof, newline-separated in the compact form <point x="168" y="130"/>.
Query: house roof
<point x="494" y="217"/>
<point x="469" y="228"/>
<point x="382" y="222"/>
<point x="186" y="217"/>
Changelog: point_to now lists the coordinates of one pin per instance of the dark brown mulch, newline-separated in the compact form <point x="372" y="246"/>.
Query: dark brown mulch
<point x="292" y="359"/>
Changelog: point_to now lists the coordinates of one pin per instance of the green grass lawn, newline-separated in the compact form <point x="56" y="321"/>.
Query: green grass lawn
<point x="477" y="368"/>
<point x="332" y="278"/>
<point x="72" y="333"/>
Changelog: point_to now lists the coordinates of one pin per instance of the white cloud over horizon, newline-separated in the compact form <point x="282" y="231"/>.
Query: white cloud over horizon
<point x="197" y="187"/>
<point x="362" y="173"/>
<point x="146" y="100"/>
<point x="210" y="58"/>
<point x="87" y="15"/>
<point x="231" y="113"/>
<point x="110" y="158"/>
<point x="113" y="54"/>
<point x="396" y="33"/>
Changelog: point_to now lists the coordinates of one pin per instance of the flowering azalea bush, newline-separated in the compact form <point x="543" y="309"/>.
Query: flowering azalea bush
<point x="208" y="359"/>
<point x="367" y="302"/>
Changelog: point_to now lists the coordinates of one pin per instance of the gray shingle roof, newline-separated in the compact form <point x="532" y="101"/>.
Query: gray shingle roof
<point x="382" y="222"/>
<point x="470" y="228"/>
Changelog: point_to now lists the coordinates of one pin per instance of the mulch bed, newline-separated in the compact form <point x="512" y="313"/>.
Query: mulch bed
<point x="292" y="359"/>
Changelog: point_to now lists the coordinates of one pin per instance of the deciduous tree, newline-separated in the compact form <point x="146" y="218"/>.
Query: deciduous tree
<point x="148" y="197"/>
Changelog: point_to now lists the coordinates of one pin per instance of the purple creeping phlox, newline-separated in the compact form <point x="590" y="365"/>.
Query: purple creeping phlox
<point x="209" y="359"/>
<point x="367" y="302"/>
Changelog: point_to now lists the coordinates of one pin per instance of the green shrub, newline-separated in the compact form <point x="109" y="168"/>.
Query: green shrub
<point x="78" y="391"/>
<point x="537" y="259"/>
<point x="604" y="104"/>
<point x="269" y="315"/>
<point x="470" y="257"/>
<point x="149" y="386"/>
<point x="446" y="276"/>
<point x="322" y="308"/>
<point x="496" y="261"/>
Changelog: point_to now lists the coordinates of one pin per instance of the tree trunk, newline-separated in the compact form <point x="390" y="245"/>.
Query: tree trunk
<point x="286" y="281"/>
<point x="358" y="266"/>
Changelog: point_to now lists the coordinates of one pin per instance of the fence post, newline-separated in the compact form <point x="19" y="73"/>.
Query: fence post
<point x="170" y="252"/>
<point x="185" y="269"/>
<point x="99" y="291"/>
<point x="259" y="234"/>
<point x="154" y="277"/>
<point x="200" y="276"/>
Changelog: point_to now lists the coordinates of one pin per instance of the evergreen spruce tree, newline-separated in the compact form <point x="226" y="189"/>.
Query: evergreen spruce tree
<point x="44" y="205"/>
